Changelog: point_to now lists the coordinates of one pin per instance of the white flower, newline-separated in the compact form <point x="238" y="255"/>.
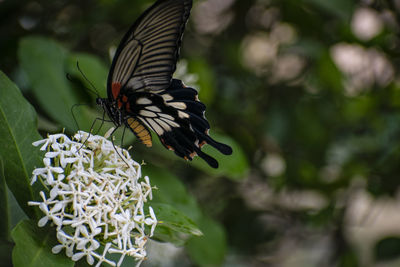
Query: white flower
<point x="151" y="221"/>
<point x="95" y="198"/>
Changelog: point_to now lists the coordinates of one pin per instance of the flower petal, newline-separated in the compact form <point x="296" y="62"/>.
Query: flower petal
<point x="77" y="256"/>
<point x="57" y="248"/>
<point x="42" y="222"/>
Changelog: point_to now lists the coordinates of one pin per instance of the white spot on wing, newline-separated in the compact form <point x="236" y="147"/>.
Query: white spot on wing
<point x="163" y="124"/>
<point x="146" y="113"/>
<point x="167" y="97"/>
<point x="153" y="108"/>
<point x="183" y="115"/>
<point x="163" y="115"/>
<point x="155" y="126"/>
<point x="178" y="105"/>
<point x="143" y="101"/>
<point x="171" y="123"/>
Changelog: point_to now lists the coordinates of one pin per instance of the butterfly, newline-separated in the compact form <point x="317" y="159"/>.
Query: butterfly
<point x="143" y="96"/>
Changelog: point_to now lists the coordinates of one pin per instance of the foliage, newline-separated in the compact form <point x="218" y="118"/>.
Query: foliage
<point x="32" y="246"/>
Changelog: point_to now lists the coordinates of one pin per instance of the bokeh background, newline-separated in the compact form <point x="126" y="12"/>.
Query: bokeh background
<point x="306" y="91"/>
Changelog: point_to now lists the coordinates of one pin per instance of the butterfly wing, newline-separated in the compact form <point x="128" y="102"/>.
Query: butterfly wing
<point x="141" y="87"/>
<point x="146" y="57"/>
<point x="177" y="116"/>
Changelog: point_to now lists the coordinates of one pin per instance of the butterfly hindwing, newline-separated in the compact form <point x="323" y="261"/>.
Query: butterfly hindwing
<point x="140" y="130"/>
<point x="177" y="116"/>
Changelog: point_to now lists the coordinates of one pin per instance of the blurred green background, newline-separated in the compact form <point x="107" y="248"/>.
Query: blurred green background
<point x="307" y="92"/>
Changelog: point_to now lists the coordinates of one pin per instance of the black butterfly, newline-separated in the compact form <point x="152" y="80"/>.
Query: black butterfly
<point x="142" y="94"/>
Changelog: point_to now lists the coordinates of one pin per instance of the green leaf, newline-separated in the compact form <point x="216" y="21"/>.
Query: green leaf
<point x="200" y="67"/>
<point x="209" y="249"/>
<point x="5" y="220"/>
<point x="171" y="220"/>
<point x="233" y="166"/>
<point x="15" y="210"/>
<point x="6" y="248"/>
<point x="33" y="247"/>
<point x="17" y="133"/>
<point x="387" y="249"/>
<point x="328" y="73"/>
<point x="94" y="70"/>
<point x="348" y="259"/>
<point x="165" y="234"/>
<point x="5" y="244"/>
<point x="340" y="8"/>
<point x="43" y="61"/>
<point x="170" y="190"/>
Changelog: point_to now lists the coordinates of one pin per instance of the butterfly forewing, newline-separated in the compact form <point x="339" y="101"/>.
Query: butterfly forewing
<point x="146" y="58"/>
<point x="126" y="64"/>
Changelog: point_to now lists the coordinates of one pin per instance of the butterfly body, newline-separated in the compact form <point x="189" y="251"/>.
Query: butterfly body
<point x="111" y="109"/>
<point x="143" y="96"/>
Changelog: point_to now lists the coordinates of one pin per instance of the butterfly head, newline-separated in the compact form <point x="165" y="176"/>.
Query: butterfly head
<point x="100" y="101"/>
<point x="112" y="110"/>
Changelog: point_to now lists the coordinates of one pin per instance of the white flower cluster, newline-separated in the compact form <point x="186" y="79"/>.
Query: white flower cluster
<point x="95" y="197"/>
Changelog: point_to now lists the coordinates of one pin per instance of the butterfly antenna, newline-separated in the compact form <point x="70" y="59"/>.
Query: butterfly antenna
<point x="91" y="84"/>
<point x="73" y="115"/>
<point x="122" y="138"/>
<point x="93" y="123"/>
<point x="102" y="122"/>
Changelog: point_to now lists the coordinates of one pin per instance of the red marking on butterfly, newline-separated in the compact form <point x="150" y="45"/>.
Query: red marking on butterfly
<point x="115" y="89"/>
